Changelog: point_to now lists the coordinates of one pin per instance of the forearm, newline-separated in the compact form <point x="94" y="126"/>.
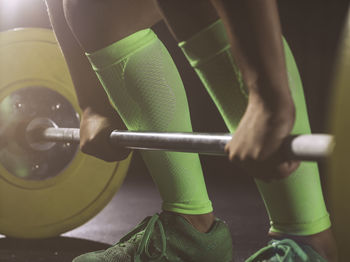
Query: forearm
<point x="88" y="88"/>
<point x="254" y="30"/>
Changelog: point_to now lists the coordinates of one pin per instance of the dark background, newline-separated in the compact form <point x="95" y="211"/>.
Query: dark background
<point x="312" y="29"/>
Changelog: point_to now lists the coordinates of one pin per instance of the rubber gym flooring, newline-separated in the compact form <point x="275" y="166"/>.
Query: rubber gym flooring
<point x="235" y="200"/>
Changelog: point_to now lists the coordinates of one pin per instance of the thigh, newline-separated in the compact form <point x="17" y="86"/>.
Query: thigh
<point x="186" y="18"/>
<point x="98" y="23"/>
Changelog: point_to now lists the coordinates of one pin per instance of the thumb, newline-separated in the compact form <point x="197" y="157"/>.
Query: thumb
<point x="287" y="168"/>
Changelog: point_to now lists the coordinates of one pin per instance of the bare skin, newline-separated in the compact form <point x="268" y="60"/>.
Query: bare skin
<point x="91" y="96"/>
<point x="254" y="31"/>
<point x="91" y="20"/>
<point x="255" y="36"/>
<point x="97" y="24"/>
<point x="323" y="242"/>
<point x="265" y="74"/>
<point x="98" y="117"/>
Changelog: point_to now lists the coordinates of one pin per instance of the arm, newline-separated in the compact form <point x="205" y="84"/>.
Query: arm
<point x="254" y="30"/>
<point x="98" y="118"/>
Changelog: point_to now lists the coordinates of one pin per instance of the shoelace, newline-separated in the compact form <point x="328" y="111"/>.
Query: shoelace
<point x="144" y="244"/>
<point x="286" y="247"/>
<point x="147" y="226"/>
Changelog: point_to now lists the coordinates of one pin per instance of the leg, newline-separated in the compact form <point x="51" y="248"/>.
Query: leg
<point x="97" y="24"/>
<point x="144" y="87"/>
<point x="92" y="38"/>
<point x="294" y="211"/>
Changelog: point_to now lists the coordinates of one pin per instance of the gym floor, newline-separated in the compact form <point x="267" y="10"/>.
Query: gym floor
<point x="235" y="200"/>
<point x="312" y="29"/>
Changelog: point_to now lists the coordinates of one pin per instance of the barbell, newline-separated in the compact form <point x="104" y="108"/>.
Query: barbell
<point x="298" y="147"/>
<point x="47" y="186"/>
<point x="52" y="148"/>
<point x="46" y="192"/>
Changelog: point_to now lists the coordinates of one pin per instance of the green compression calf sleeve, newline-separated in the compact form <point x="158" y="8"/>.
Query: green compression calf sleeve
<point x="145" y="88"/>
<point x="295" y="205"/>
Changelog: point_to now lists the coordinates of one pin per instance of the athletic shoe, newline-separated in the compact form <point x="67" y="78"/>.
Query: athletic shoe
<point x="168" y="237"/>
<point x="286" y="250"/>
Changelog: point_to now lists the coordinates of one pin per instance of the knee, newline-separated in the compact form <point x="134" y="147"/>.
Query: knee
<point x="75" y="12"/>
<point x="83" y="14"/>
<point x="88" y="19"/>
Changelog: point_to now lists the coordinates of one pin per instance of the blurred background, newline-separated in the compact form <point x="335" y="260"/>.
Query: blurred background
<point x="312" y="28"/>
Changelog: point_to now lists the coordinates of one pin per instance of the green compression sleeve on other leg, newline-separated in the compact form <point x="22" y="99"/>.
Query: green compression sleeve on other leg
<point x="145" y="88"/>
<point x="209" y="54"/>
<point x="295" y="205"/>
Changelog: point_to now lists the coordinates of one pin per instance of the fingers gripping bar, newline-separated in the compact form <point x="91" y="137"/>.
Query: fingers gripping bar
<point x="300" y="147"/>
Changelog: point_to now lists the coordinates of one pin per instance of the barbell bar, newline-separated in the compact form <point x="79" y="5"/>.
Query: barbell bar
<point x="313" y="147"/>
<point x="43" y="181"/>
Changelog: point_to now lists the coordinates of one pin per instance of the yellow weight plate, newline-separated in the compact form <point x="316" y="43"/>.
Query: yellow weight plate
<point x="338" y="176"/>
<point x="45" y="208"/>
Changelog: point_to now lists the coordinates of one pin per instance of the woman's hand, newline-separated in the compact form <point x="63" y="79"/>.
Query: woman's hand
<point x="95" y="129"/>
<point x="259" y="136"/>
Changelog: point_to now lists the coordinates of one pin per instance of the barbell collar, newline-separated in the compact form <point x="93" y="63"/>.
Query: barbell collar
<point x="313" y="147"/>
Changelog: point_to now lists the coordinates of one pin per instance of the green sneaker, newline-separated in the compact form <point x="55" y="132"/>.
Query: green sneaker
<point x="168" y="238"/>
<point x="286" y="250"/>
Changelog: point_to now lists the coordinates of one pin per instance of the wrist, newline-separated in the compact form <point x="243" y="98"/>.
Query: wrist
<point x="108" y="115"/>
<point x="275" y="109"/>
<point x="274" y="99"/>
<point x="99" y="109"/>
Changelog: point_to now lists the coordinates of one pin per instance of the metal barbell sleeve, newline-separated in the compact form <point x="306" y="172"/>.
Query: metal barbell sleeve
<point x="301" y="147"/>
